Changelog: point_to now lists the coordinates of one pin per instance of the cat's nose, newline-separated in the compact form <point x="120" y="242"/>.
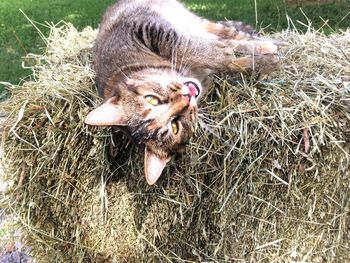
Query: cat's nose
<point x="190" y="90"/>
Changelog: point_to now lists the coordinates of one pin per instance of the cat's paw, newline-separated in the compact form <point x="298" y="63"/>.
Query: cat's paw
<point x="265" y="64"/>
<point x="262" y="64"/>
<point x="253" y="47"/>
<point x="280" y="44"/>
<point x="256" y="46"/>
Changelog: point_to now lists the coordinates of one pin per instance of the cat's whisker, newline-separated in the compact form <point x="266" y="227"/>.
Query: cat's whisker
<point x="188" y="63"/>
<point x="123" y="73"/>
<point x="173" y="59"/>
<point x="185" y="69"/>
<point x="183" y="55"/>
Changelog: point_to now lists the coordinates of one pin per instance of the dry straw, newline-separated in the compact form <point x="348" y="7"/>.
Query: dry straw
<point x="266" y="179"/>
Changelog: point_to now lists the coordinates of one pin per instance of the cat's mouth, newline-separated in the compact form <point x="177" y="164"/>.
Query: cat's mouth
<point x="191" y="90"/>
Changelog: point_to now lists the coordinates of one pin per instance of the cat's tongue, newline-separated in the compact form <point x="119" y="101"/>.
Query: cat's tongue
<point x="192" y="90"/>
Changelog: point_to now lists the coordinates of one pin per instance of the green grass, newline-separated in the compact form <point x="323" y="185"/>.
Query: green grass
<point x="272" y="13"/>
<point x="18" y="37"/>
<point x="3" y="231"/>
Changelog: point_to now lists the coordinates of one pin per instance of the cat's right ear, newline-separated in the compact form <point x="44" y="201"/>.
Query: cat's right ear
<point x="109" y="113"/>
<point x="154" y="166"/>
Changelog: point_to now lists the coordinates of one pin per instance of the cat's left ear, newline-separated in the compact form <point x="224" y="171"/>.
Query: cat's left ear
<point x="154" y="166"/>
<point x="109" y="113"/>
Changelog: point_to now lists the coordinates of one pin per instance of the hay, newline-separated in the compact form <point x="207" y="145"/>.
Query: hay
<point x="266" y="179"/>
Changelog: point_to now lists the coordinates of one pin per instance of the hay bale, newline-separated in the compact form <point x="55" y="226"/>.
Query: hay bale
<point x="266" y="179"/>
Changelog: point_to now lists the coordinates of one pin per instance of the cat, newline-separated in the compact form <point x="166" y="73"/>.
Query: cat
<point x="152" y="59"/>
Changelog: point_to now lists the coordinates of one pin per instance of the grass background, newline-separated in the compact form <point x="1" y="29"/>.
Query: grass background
<point x="18" y="37"/>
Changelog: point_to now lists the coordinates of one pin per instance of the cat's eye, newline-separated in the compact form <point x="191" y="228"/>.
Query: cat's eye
<point x="153" y="100"/>
<point x="174" y="127"/>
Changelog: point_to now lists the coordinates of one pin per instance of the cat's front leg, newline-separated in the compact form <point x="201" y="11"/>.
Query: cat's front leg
<point x="231" y="56"/>
<point x="237" y="30"/>
<point x="250" y="52"/>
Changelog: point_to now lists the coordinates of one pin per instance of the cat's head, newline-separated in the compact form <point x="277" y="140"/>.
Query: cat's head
<point x="159" y="110"/>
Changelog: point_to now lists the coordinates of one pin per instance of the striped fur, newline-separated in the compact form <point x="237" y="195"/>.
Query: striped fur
<point x="154" y="47"/>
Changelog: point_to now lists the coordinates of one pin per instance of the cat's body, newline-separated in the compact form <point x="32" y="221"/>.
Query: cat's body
<point x="151" y="57"/>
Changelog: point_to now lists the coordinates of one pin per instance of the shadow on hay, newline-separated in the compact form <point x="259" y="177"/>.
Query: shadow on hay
<point x="162" y="200"/>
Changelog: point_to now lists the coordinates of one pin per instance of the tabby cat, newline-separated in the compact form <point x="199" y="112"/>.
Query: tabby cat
<point x="151" y="59"/>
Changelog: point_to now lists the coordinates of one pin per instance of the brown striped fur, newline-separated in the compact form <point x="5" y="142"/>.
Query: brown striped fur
<point x="155" y="47"/>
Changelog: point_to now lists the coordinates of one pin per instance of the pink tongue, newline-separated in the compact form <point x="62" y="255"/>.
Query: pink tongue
<point x="192" y="91"/>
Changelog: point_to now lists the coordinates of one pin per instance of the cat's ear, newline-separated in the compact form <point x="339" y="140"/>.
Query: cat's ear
<point x="154" y="166"/>
<point x="108" y="114"/>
